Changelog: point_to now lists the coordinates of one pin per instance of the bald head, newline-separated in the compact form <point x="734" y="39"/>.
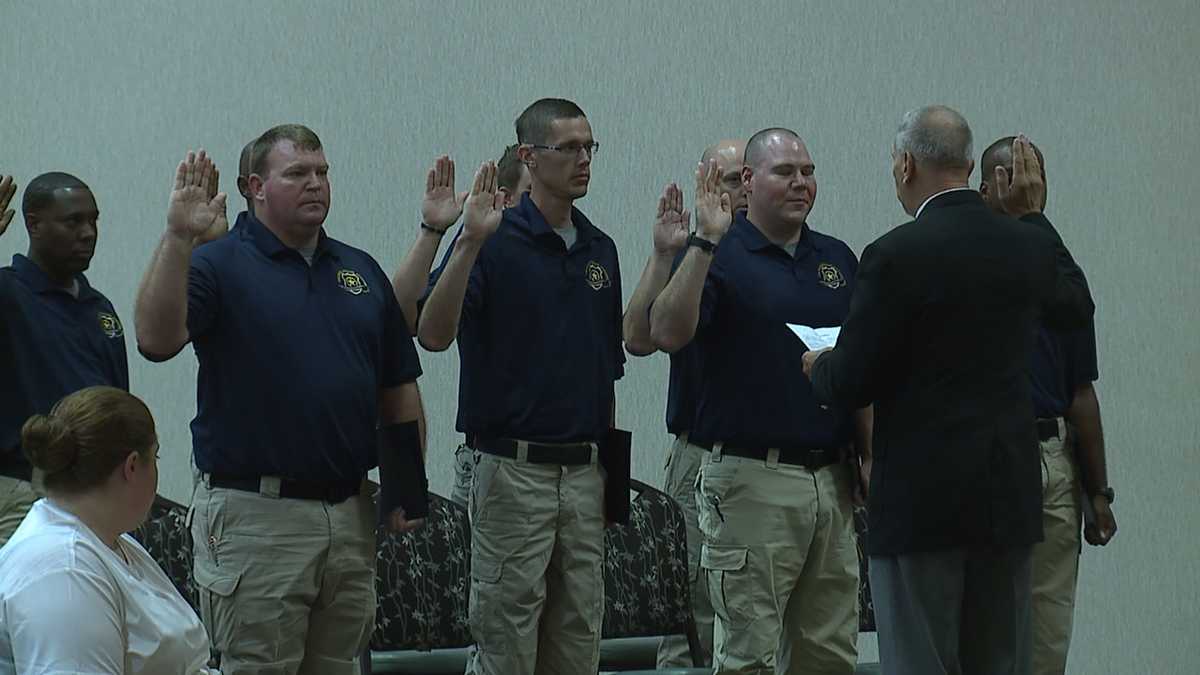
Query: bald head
<point x="936" y="136"/>
<point x="730" y="156"/>
<point x="761" y="144"/>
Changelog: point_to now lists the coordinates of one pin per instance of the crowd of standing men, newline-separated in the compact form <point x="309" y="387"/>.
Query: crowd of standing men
<point x="967" y="340"/>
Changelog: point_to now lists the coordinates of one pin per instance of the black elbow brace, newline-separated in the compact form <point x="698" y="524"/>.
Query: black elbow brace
<point x="402" y="479"/>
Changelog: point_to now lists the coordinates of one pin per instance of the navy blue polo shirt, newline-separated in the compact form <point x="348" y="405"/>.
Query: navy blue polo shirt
<point x="754" y="392"/>
<point x="52" y="344"/>
<point x="1061" y="363"/>
<point x="683" y="379"/>
<point x="292" y="357"/>
<point x="539" y="340"/>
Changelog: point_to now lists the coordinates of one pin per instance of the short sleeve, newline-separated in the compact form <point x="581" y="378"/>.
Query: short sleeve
<point x="618" y="320"/>
<point x="203" y="296"/>
<point x="710" y="297"/>
<point x="400" y="363"/>
<point x="85" y="602"/>
<point x="1081" y="355"/>
<point x="473" y="299"/>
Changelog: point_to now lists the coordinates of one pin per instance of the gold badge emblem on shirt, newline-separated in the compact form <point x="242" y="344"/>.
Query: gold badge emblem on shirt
<point x="110" y="324"/>
<point x="830" y="276"/>
<point x="352" y="282"/>
<point x="597" y="276"/>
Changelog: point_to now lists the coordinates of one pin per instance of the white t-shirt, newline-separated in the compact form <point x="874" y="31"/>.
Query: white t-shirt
<point x="71" y="604"/>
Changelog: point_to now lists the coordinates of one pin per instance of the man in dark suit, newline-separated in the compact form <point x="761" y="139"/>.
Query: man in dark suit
<point x="939" y="337"/>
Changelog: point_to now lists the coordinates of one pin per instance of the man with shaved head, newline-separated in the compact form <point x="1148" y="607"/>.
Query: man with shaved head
<point x="939" y="338"/>
<point x="775" y="486"/>
<point x="683" y="459"/>
<point x="58" y="334"/>
<point x="1071" y="437"/>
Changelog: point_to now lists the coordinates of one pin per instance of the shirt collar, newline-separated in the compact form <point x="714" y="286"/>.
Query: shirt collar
<point x="35" y="278"/>
<point x="935" y="196"/>
<point x="271" y="246"/>
<point x="754" y="240"/>
<point x="532" y="221"/>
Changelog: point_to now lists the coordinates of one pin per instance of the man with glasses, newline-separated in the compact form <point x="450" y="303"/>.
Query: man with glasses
<point x="533" y="296"/>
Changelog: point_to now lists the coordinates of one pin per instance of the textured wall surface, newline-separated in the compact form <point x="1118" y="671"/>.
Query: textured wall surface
<point x="115" y="92"/>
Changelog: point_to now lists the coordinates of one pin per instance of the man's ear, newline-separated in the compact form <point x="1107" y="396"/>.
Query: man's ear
<point x="525" y="154"/>
<point x="747" y="176"/>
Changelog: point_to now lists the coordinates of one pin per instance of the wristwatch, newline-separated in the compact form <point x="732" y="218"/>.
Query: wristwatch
<point x="1107" y="493"/>
<point x="702" y="244"/>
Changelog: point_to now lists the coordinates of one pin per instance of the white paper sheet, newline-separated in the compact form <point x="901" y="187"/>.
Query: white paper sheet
<point x="816" y="338"/>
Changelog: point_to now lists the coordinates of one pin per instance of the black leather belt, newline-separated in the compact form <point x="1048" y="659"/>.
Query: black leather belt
<point x="809" y="458"/>
<point x="567" y="454"/>
<point x="334" y="492"/>
<point x="1047" y="429"/>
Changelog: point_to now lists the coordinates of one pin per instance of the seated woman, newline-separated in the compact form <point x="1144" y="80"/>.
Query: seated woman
<point x="77" y="594"/>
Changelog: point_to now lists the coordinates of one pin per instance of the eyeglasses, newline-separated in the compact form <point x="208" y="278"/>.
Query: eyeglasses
<point x="571" y="149"/>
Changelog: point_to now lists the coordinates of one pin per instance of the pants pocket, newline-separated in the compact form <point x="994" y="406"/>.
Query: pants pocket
<point x="729" y="587"/>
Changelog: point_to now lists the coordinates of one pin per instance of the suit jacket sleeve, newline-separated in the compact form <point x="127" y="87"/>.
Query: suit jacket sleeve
<point x="845" y="377"/>
<point x="1069" y="305"/>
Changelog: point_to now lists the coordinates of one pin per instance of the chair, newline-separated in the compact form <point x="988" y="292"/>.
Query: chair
<point x="165" y="535"/>
<point x="423" y="585"/>
<point x="646" y="582"/>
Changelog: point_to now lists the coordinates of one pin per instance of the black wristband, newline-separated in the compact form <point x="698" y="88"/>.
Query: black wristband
<point x="702" y="244"/>
<point x="402" y="481"/>
<point x="431" y="228"/>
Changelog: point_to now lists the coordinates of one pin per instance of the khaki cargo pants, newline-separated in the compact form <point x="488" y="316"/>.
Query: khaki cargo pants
<point x="1056" y="559"/>
<point x="683" y="465"/>
<point x="781" y="564"/>
<point x="537" y="555"/>
<point x="287" y="586"/>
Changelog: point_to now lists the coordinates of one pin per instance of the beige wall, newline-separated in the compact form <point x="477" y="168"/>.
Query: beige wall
<point x="115" y="92"/>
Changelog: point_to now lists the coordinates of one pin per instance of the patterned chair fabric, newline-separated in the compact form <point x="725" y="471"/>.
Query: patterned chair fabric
<point x="165" y="535"/>
<point x="423" y="582"/>
<point x="646" y="579"/>
<point x="866" y="610"/>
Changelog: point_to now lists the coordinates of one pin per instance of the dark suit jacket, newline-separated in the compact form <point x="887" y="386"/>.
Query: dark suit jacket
<point x="939" y="336"/>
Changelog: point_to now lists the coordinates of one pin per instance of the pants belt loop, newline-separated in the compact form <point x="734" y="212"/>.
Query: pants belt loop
<point x="206" y="480"/>
<point x="595" y="458"/>
<point x="772" y="458"/>
<point x="715" y="454"/>
<point x="268" y="486"/>
<point x="1062" y="429"/>
<point x="523" y="451"/>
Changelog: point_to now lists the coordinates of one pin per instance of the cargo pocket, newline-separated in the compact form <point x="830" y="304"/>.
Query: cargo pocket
<point x="215" y="571"/>
<point x="485" y="604"/>
<point x="728" y="584"/>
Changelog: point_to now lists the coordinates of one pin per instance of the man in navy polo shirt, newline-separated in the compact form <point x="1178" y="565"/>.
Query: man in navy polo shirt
<point x="533" y="298"/>
<point x="440" y="209"/>
<point x="1062" y="371"/>
<point x="57" y="333"/>
<point x="304" y="358"/>
<point x="683" y="458"/>
<point x="774" y="492"/>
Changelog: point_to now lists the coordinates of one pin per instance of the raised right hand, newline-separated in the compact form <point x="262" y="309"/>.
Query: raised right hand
<point x="8" y="188"/>
<point x="485" y="205"/>
<point x="671" y="224"/>
<point x="713" y="210"/>
<point x="191" y="212"/>
<point x="1027" y="190"/>
<point x="441" y="207"/>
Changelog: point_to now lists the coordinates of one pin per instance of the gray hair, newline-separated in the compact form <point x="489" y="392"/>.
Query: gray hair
<point x="936" y="135"/>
